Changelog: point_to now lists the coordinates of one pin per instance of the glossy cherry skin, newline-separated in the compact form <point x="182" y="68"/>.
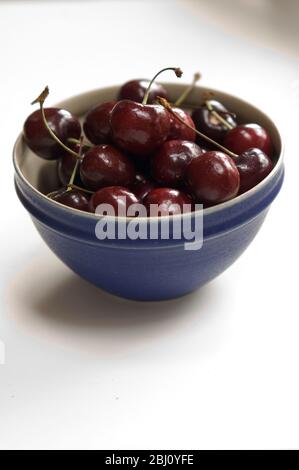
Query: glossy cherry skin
<point x="63" y="124"/>
<point x="139" y="129"/>
<point x="178" y="130"/>
<point x="73" y="198"/>
<point x="135" y="90"/>
<point x="104" y="165"/>
<point x="118" y="197"/>
<point x="169" y="164"/>
<point x="170" y="202"/>
<point x="213" y="178"/>
<point x="247" y="136"/>
<point x="253" y="165"/>
<point x="209" y="125"/>
<point x="97" y="123"/>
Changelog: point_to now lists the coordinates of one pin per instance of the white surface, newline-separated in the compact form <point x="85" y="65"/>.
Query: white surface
<point x="217" y="369"/>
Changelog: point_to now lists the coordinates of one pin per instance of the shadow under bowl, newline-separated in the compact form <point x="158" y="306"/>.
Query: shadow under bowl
<point x="146" y="269"/>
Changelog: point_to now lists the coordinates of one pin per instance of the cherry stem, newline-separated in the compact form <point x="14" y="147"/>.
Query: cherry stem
<point x="73" y="175"/>
<point x="52" y="193"/>
<point x="41" y="99"/>
<point x="218" y="116"/>
<point x="188" y="90"/>
<point x="71" y="186"/>
<point x="74" y="186"/>
<point x="167" y="105"/>
<point x="72" y="140"/>
<point x="176" y="70"/>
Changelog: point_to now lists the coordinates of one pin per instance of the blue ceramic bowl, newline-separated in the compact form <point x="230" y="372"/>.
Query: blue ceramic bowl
<point x="145" y="269"/>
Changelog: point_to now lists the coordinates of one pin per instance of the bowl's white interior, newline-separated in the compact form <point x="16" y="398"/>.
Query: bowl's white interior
<point x="42" y="175"/>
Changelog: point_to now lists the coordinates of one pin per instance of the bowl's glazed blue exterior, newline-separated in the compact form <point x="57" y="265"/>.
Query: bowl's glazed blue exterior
<point x="149" y="269"/>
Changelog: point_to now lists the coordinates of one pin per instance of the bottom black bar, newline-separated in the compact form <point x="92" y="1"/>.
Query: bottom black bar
<point x="189" y="458"/>
<point x="196" y="458"/>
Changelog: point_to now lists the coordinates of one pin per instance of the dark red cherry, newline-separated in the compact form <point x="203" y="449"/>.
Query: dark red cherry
<point x="209" y="125"/>
<point x="71" y="198"/>
<point x="105" y="165"/>
<point x="178" y="130"/>
<point x="170" y="202"/>
<point x="139" y="128"/>
<point x="135" y="89"/>
<point x="247" y="136"/>
<point x="118" y="197"/>
<point x="169" y="164"/>
<point x="63" y="124"/>
<point x="213" y="178"/>
<point x="97" y="123"/>
<point x="253" y="165"/>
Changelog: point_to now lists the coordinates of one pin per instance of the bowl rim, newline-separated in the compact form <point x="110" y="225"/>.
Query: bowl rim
<point x="207" y="211"/>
